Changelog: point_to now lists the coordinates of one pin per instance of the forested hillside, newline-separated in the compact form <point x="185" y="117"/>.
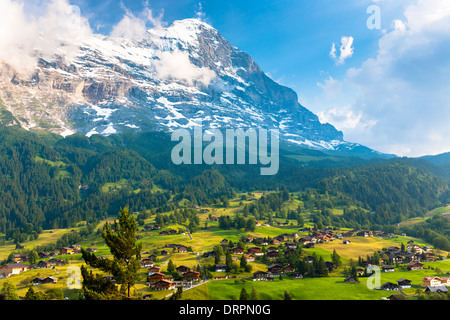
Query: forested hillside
<point x="51" y="182"/>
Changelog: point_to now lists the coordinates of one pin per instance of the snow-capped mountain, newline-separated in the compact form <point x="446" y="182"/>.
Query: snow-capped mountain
<point x="172" y="78"/>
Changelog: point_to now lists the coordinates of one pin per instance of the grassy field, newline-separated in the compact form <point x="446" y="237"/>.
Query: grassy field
<point x="203" y="240"/>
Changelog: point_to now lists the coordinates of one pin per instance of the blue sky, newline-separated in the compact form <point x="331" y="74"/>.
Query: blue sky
<point x="386" y="88"/>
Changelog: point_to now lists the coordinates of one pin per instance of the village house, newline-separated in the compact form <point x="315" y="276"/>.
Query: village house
<point x="275" y="269"/>
<point x="57" y="262"/>
<point x="20" y="257"/>
<point x="414" y="266"/>
<point x="250" y="257"/>
<point x="66" y="250"/>
<point x="163" y="285"/>
<point x="10" y="269"/>
<point x="157" y="276"/>
<point x="404" y="283"/>
<point x="445" y="281"/>
<point x="389" y="286"/>
<point x="182" y="269"/>
<point x="43" y="265"/>
<point x="272" y="255"/>
<point x="221" y="267"/>
<point x="38" y="281"/>
<point x="431" y="281"/>
<point x="414" y="248"/>
<point x="146" y="263"/>
<point x="437" y="289"/>
<point x="388" y="268"/>
<point x="191" y="276"/>
<point x="260" y="276"/>
<point x="238" y="250"/>
<point x="182" y="249"/>
<point x="154" y="269"/>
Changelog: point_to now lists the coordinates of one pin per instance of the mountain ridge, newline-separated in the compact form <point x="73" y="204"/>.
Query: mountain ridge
<point x="172" y="78"/>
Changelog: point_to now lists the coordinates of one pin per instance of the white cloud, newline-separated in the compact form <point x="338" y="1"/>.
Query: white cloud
<point x="346" y="50"/>
<point x="397" y="102"/>
<point x="59" y="29"/>
<point x="177" y="66"/>
<point x="135" y="27"/>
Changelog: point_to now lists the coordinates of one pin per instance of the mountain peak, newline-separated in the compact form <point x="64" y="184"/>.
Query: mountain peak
<point x="180" y="75"/>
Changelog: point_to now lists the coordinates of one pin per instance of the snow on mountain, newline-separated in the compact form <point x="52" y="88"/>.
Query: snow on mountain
<point x="172" y="78"/>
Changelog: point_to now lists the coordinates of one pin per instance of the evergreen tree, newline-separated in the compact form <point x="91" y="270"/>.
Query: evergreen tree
<point x="243" y="295"/>
<point x="9" y="290"/>
<point x="124" y="266"/>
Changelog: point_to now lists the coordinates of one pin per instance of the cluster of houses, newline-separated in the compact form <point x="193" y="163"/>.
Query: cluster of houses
<point x="160" y="281"/>
<point x="412" y="254"/>
<point x="431" y="284"/>
<point x="10" y="269"/>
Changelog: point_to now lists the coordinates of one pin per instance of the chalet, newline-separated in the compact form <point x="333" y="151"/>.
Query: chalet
<point x="248" y="239"/>
<point x="290" y="245"/>
<point x="364" y="234"/>
<point x="164" y="233"/>
<point x="145" y="263"/>
<point x="432" y="281"/>
<point x="20" y="257"/>
<point x="163" y="285"/>
<point x="152" y="257"/>
<point x="164" y="252"/>
<point x="272" y="255"/>
<point x="260" y="276"/>
<point x="43" y="255"/>
<point x="66" y="250"/>
<point x="414" y="266"/>
<point x="182" y="249"/>
<point x="191" y="276"/>
<point x="221" y="267"/>
<point x="389" y="286"/>
<point x="224" y="241"/>
<point x="255" y="250"/>
<point x="57" y="262"/>
<point x="208" y="254"/>
<point x="182" y="269"/>
<point x="250" y="257"/>
<point x="91" y="249"/>
<point x="309" y="245"/>
<point x="404" y="283"/>
<point x="437" y="289"/>
<point x="275" y="269"/>
<point x="155" y="277"/>
<point x="38" y="281"/>
<point x="396" y="258"/>
<point x="388" y="268"/>
<point x="154" y="269"/>
<point x="414" y="248"/>
<point x="238" y="250"/>
<point x="288" y="269"/>
<point x="427" y="248"/>
<point x="43" y="264"/>
<point x="346" y="242"/>
<point x="445" y="281"/>
<point x="272" y="249"/>
<point x="12" y="269"/>
<point x="276" y="242"/>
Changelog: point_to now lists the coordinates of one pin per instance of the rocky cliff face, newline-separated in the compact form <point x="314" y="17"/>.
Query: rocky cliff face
<point x="172" y="78"/>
